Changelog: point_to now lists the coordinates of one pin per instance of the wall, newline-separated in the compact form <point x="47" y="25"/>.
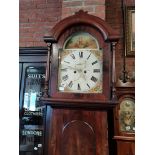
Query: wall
<point x="69" y="7"/>
<point x="115" y="18"/>
<point x="37" y="17"/>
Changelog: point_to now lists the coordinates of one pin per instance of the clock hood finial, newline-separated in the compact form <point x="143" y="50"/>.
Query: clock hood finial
<point x="81" y="12"/>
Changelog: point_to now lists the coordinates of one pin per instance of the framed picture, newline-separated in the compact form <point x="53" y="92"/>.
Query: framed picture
<point x="130" y="31"/>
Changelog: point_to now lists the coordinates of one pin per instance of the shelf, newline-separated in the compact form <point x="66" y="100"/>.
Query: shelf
<point x="124" y="138"/>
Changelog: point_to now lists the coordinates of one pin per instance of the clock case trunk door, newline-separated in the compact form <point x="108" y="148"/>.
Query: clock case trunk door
<point x="76" y="132"/>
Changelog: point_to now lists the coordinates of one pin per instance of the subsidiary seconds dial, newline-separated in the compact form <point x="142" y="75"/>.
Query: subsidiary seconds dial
<point x="80" y="71"/>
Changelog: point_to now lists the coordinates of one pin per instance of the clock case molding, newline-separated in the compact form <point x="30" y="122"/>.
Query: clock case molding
<point x="107" y="39"/>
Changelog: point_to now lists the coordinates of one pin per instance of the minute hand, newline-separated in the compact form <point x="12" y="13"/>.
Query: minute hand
<point x="71" y="67"/>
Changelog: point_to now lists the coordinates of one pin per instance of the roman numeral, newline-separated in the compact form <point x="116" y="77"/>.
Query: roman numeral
<point x="70" y="84"/>
<point x="94" y="79"/>
<point x="79" y="88"/>
<point x="65" y="77"/>
<point x="96" y="70"/>
<point x="94" y="62"/>
<point x="88" y="85"/>
<point x="81" y="54"/>
<point x="89" y="56"/>
<point x="66" y="62"/>
<point x="73" y="56"/>
<point x="63" y="69"/>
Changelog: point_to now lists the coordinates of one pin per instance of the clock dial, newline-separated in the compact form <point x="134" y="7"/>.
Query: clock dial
<point x="80" y="71"/>
<point x="127" y="115"/>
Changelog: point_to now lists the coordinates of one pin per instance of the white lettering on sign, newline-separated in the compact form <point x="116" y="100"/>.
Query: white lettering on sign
<point x="34" y="113"/>
<point x="31" y="132"/>
<point x="36" y="76"/>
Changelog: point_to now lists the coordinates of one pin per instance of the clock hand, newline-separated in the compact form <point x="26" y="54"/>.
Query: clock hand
<point x="79" y="70"/>
<point x="83" y="76"/>
<point x="74" y="68"/>
<point x="71" y="67"/>
<point x="81" y="64"/>
<point x="129" y="117"/>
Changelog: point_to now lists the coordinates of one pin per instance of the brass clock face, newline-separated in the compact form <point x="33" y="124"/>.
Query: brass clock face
<point x="80" y="71"/>
<point x="127" y="115"/>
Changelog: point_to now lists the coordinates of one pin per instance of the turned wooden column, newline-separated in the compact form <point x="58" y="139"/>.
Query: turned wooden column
<point x="114" y="97"/>
<point x="49" y="41"/>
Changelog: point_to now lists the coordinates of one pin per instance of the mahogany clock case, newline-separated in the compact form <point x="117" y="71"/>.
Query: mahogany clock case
<point x="79" y="123"/>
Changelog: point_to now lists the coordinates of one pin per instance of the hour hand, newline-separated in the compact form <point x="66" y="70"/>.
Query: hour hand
<point x="71" y="67"/>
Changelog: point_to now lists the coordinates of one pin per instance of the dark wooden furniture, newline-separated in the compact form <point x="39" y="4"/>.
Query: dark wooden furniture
<point x="125" y="133"/>
<point x="32" y="63"/>
<point x="79" y="123"/>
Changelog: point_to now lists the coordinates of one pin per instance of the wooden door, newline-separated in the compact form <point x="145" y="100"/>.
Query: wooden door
<point x="76" y="132"/>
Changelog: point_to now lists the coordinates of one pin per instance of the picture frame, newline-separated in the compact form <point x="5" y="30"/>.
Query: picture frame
<point x="130" y="31"/>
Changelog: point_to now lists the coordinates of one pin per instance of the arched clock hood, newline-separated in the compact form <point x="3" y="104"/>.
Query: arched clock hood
<point x="107" y="38"/>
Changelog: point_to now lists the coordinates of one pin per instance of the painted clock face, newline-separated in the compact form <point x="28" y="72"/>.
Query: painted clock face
<point x="127" y="115"/>
<point x="80" y="71"/>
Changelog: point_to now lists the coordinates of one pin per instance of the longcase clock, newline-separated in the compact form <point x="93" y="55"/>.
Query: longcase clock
<point x="124" y="115"/>
<point x="79" y="85"/>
